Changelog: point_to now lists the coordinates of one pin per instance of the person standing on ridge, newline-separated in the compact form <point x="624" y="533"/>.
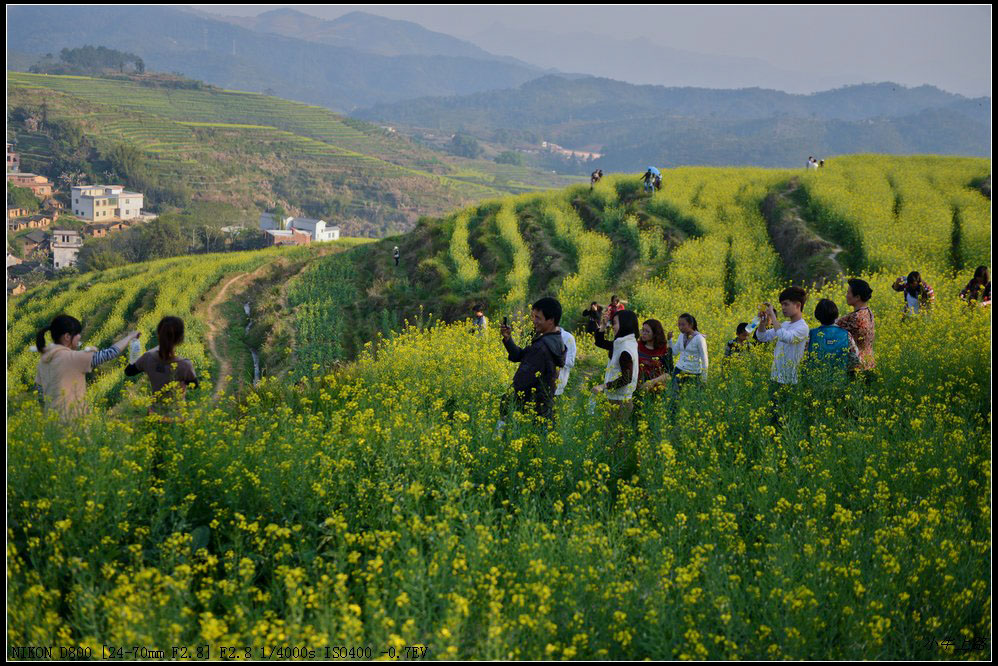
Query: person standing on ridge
<point x="396" y="254"/>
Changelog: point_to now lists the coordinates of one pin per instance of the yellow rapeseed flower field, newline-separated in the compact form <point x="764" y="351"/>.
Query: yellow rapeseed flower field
<point x="375" y="506"/>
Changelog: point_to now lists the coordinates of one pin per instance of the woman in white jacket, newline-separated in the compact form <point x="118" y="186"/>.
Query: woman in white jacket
<point x="621" y="375"/>
<point x="690" y="354"/>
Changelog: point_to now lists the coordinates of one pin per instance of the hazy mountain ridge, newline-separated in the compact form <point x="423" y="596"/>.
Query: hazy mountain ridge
<point x="365" y="32"/>
<point x="227" y="55"/>
<point x="638" y="124"/>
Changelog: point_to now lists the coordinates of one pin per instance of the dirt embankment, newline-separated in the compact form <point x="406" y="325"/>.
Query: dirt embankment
<point x="807" y="256"/>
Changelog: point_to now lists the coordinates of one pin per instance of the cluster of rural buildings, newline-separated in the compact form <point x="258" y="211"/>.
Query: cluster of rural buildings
<point x="103" y="209"/>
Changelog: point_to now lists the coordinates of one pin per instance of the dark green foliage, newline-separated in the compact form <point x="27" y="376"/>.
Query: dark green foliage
<point x="464" y="145"/>
<point x="22" y="197"/>
<point x="194" y="231"/>
<point x="730" y="283"/>
<point x="510" y="157"/>
<point x="956" y="253"/>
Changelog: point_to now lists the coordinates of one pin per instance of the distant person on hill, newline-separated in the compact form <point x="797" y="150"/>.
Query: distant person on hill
<point x="535" y="380"/>
<point x="821" y="164"/>
<point x="396" y="254"/>
<point x="831" y="351"/>
<point x="917" y="292"/>
<point x="791" y="338"/>
<point x="616" y="305"/>
<point x="978" y="290"/>
<point x="654" y="353"/>
<point x="649" y="179"/>
<point x="596" y="177"/>
<point x="480" y="321"/>
<point x="658" y="182"/>
<point x="61" y="379"/>
<point x="859" y="322"/>
<point x="569" y="341"/>
<point x="592" y="315"/>
<point x="740" y="343"/>
<point x="621" y="375"/>
<point x="162" y="365"/>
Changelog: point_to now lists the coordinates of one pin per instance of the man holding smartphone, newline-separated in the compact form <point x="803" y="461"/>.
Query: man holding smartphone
<point x="536" y="378"/>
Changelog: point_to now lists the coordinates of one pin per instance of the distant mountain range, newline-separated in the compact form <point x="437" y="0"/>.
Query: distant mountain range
<point x="356" y="61"/>
<point x="367" y="33"/>
<point x="634" y="125"/>
<point x="399" y="73"/>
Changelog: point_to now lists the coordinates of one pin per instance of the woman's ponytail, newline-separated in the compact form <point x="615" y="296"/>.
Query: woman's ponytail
<point x="40" y="339"/>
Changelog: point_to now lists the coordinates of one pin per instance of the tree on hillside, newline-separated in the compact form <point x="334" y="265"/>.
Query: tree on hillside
<point x="510" y="157"/>
<point x="22" y="197"/>
<point x="463" y="145"/>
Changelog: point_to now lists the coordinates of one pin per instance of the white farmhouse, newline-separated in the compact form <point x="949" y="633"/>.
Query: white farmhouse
<point x="317" y="229"/>
<point x="66" y="245"/>
<point x="270" y="223"/>
<point x="101" y="203"/>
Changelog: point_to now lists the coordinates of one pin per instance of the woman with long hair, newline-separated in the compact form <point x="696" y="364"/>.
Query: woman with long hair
<point x="162" y="365"/>
<point x="654" y="353"/>
<point x="978" y="290"/>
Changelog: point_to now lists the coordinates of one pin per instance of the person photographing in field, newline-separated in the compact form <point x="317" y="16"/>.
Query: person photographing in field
<point x="791" y="338"/>
<point x="61" y="379"/>
<point x="917" y="292"/>
<point x="535" y="380"/>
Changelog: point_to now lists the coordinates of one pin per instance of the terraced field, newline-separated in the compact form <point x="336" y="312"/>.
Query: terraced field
<point x="232" y="146"/>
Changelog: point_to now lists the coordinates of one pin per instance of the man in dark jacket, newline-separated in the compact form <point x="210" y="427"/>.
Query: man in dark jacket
<point x="535" y="379"/>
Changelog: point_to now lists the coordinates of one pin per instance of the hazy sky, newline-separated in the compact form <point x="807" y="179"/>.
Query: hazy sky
<point x="947" y="46"/>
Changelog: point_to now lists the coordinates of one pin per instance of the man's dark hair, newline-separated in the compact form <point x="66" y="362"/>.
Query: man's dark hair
<point x="628" y="323"/>
<point x="826" y="311"/>
<point x="741" y="328"/>
<point x="861" y="289"/>
<point x="550" y="308"/>
<point x="478" y="307"/>
<point x="795" y="294"/>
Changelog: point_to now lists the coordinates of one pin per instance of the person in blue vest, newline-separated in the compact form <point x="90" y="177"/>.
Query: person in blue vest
<point x="830" y="351"/>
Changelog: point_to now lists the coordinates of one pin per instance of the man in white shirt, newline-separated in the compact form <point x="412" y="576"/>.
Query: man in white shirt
<point x="791" y="340"/>
<point x="569" y="341"/>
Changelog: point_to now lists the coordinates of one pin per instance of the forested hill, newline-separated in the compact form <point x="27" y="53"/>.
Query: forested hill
<point x="637" y="124"/>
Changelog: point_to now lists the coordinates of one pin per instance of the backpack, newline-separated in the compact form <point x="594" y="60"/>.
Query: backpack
<point x="829" y="347"/>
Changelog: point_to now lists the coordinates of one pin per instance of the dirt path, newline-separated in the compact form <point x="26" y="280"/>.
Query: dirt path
<point x="806" y="254"/>
<point x="214" y="328"/>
